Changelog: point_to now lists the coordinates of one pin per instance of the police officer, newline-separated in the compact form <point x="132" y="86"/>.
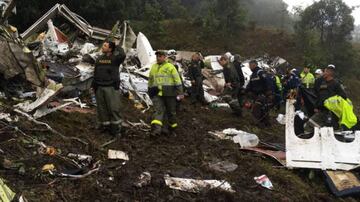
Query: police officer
<point x="164" y="88"/>
<point x="196" y="77"/>
<point x="260" y="91"/>
<point x="307" y="78"/>
<point x="106" y="85"/>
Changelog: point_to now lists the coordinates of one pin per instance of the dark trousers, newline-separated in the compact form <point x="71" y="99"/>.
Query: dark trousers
<point x="165" y="111"/>
<point x="197" y="91"/>
<point x="108" y="107"/>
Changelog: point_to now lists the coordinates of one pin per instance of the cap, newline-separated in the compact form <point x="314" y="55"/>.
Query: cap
<point x="253" y="61"/>
<point x="331" y="66"/>
<point x="318" y="71"/>
<point x="160" y="53"/>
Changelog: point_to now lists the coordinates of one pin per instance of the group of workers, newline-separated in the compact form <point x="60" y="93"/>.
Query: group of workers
<point x="265" y="90"/>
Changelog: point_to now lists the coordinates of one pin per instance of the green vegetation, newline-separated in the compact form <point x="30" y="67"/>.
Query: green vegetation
<point x="317" y="36"/>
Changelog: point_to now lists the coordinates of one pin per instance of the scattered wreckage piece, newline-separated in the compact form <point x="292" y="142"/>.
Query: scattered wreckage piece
<point x="322" y="151"/>
<point x="6" y="8"/>
<point x="243" y="138"/>
<point x="343" y="183"/>
<point x="114" y="154"/>
<point x="18" y="60"/>
<point x="223" y="166"/>
<point x="79" y="22"/>
<point x="279" y="156"/>
<point x="45" y="110"/>
<point x="45" y="96"/>
<point x="196" y="186"/>
<point x="146" y="55"/>
<point x="264" y="181"/>
<point x="143" y="180"/>
<point x="6" y="195"/>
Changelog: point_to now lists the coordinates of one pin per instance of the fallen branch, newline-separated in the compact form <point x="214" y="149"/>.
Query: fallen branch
<point x="30" y="118"/>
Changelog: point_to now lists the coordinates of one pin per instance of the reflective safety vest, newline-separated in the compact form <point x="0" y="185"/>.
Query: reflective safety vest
<point x="307" y="79"/>
<point x="166" y="78"/>
<point x="343" y="109"/>
<point x="278" y="83"/>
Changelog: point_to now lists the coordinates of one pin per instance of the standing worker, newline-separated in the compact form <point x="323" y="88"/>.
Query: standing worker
<point x="196" y="77"/>
<point x="330" y="95"/>
<point x="307" y="78"/>
<point x="106" y="85"/>
<point x="164" y="88"/>
<point x="260" y="91"/>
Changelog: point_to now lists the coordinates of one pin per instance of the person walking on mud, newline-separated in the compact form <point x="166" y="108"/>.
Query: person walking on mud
<point x="164" y="87"/>
<point x="106" y="85"/>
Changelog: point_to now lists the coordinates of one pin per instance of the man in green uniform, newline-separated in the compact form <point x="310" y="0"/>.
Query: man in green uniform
<point x="307" y="78"/>
<point x="106" y="86"/>
<point x="164" y="87"/>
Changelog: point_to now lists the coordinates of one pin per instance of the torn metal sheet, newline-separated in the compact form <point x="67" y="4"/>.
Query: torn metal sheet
<point x="45" y="110"/>
<point x="322" y="151"/>
<point x="45" y="96"/>
<point x="79" y="22"/>
<point x="145" y="53"/>
<point x="279" y="156"/>
<point x="196" y="186"/>
<point x="343" y="183"/>
<point x="140" y="84"/>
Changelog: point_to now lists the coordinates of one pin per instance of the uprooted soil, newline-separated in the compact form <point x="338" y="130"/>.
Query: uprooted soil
<point x="185" y="154"/>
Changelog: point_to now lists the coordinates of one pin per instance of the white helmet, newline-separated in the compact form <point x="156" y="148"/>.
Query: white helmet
<point x="318" y="71"/>
<point x="171" y="52"/>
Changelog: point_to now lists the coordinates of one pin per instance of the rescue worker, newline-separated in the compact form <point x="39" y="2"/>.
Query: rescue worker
<point x="232" y="81"/>
<point x="325" y="88"/>
<point x="307" y="78"/>
<point x="196" y="77"/>
<point x="318" y="73"/>
<point x="106" y="85"/>
<point x="164" y="88"/>
<point x="259" y="90"/>
<point x="238" y="67"/>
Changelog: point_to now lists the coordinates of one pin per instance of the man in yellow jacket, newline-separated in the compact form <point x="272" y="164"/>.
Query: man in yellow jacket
<point x="307" y="78"/>
<point x="164" y="87"/>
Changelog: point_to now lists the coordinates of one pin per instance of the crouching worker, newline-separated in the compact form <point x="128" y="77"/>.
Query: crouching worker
<point x="333" y="108"/>
<point x="106" y="86"/>
<point x="164" y="87"/>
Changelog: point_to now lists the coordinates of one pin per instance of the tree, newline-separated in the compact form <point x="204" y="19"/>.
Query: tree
<point x="324" y="32"/>
<point x="152" y="18"/>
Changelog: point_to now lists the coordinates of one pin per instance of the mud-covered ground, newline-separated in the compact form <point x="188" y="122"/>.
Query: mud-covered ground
<point x="185" y="154"/>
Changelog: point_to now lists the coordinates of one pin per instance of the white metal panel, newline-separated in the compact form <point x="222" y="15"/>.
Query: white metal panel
<point x="322" y="151"/>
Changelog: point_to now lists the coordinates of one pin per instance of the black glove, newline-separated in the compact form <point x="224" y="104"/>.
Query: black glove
<point x="117" y="85"/>
<point x="153" y="91"/>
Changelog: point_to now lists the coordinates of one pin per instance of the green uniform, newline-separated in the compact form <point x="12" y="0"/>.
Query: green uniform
<point x="164" y="85"/>
<point x="307" y="79"/>
<point x="106" y="85"/>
